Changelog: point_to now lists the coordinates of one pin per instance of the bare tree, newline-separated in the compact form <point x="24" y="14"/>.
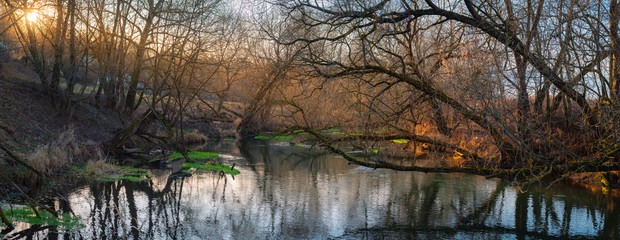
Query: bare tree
<point x="375" y="41"/>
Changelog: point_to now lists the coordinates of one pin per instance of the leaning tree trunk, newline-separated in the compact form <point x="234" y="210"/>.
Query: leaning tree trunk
<point x="439" y="118"/>
<point x="5" y="220"/>
<point x="116" y="145"/>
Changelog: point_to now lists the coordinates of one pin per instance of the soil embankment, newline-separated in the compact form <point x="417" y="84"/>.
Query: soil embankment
<point x="29" y="124"/>
<point x="30" y="120"/>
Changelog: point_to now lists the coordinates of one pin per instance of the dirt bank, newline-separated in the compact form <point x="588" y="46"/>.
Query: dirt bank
<point x="31" y="120"/>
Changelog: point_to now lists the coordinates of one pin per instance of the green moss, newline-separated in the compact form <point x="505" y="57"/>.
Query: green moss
<point x="401" y="141"/>
<point x="211" y="167"/>
<point x="65" y="221"/>
<point x="196" y="155"/>
<point x="283" y="138"/>
<point x="299" y="132"/>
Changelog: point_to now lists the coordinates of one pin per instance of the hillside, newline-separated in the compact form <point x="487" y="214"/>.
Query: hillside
<point x="26" y="113"/>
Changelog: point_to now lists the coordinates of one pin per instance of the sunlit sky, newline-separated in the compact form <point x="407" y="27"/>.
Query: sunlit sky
<point x="32" y="16"/>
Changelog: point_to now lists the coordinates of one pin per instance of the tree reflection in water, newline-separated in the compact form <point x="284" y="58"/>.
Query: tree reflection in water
<point x="290" y="192"/>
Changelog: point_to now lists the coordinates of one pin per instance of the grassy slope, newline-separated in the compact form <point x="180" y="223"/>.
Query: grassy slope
<point x="28" y="113"/>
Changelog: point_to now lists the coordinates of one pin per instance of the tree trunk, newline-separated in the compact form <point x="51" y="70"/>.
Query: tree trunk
<point x="115" y="146"/>
<point x="72" y="72"/>
<point x="523" y="110"/>
<point x="5" y="220"/>
<point x="614" y="19"/>
<point x="58" y="50"/>
<point x="439" y="118"/>
<point x="138" y="61"/>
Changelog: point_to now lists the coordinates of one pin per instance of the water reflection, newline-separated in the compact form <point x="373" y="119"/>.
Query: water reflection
<point x="289" y="192"/>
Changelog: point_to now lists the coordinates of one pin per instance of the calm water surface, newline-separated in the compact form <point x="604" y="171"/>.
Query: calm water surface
<point x="286" y="192"/>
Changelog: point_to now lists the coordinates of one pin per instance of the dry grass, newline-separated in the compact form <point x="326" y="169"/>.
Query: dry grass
<point x="99" y="168"/>
<point x="63" y="152"/>
<point x="194" y="137"/>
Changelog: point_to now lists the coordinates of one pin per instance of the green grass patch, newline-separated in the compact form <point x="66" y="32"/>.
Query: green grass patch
<point x="211" y="167"/>
<point x="401" y="141"/>
<point x="129" y="174"/>
<point x="228" y="139"/>
<point x="262" y="137"/>
<point x="283" y="138"/>
<point x="196" y="155"/>
<point x="64" y="221"/>
<point x="189" y="170"/>
<point x="280" y="138"/>
<point x="374" y="150"/>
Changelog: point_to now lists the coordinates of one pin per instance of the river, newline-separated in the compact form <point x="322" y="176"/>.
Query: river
<point x="291" y="192"/>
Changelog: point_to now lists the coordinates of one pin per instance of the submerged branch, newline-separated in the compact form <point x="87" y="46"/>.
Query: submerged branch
<point x="14" y="158"/>
<point x="561" y="170"/>
<point x="412" y="137"/>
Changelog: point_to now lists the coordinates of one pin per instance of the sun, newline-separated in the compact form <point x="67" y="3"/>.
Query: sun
<point x="32" y="16"/>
